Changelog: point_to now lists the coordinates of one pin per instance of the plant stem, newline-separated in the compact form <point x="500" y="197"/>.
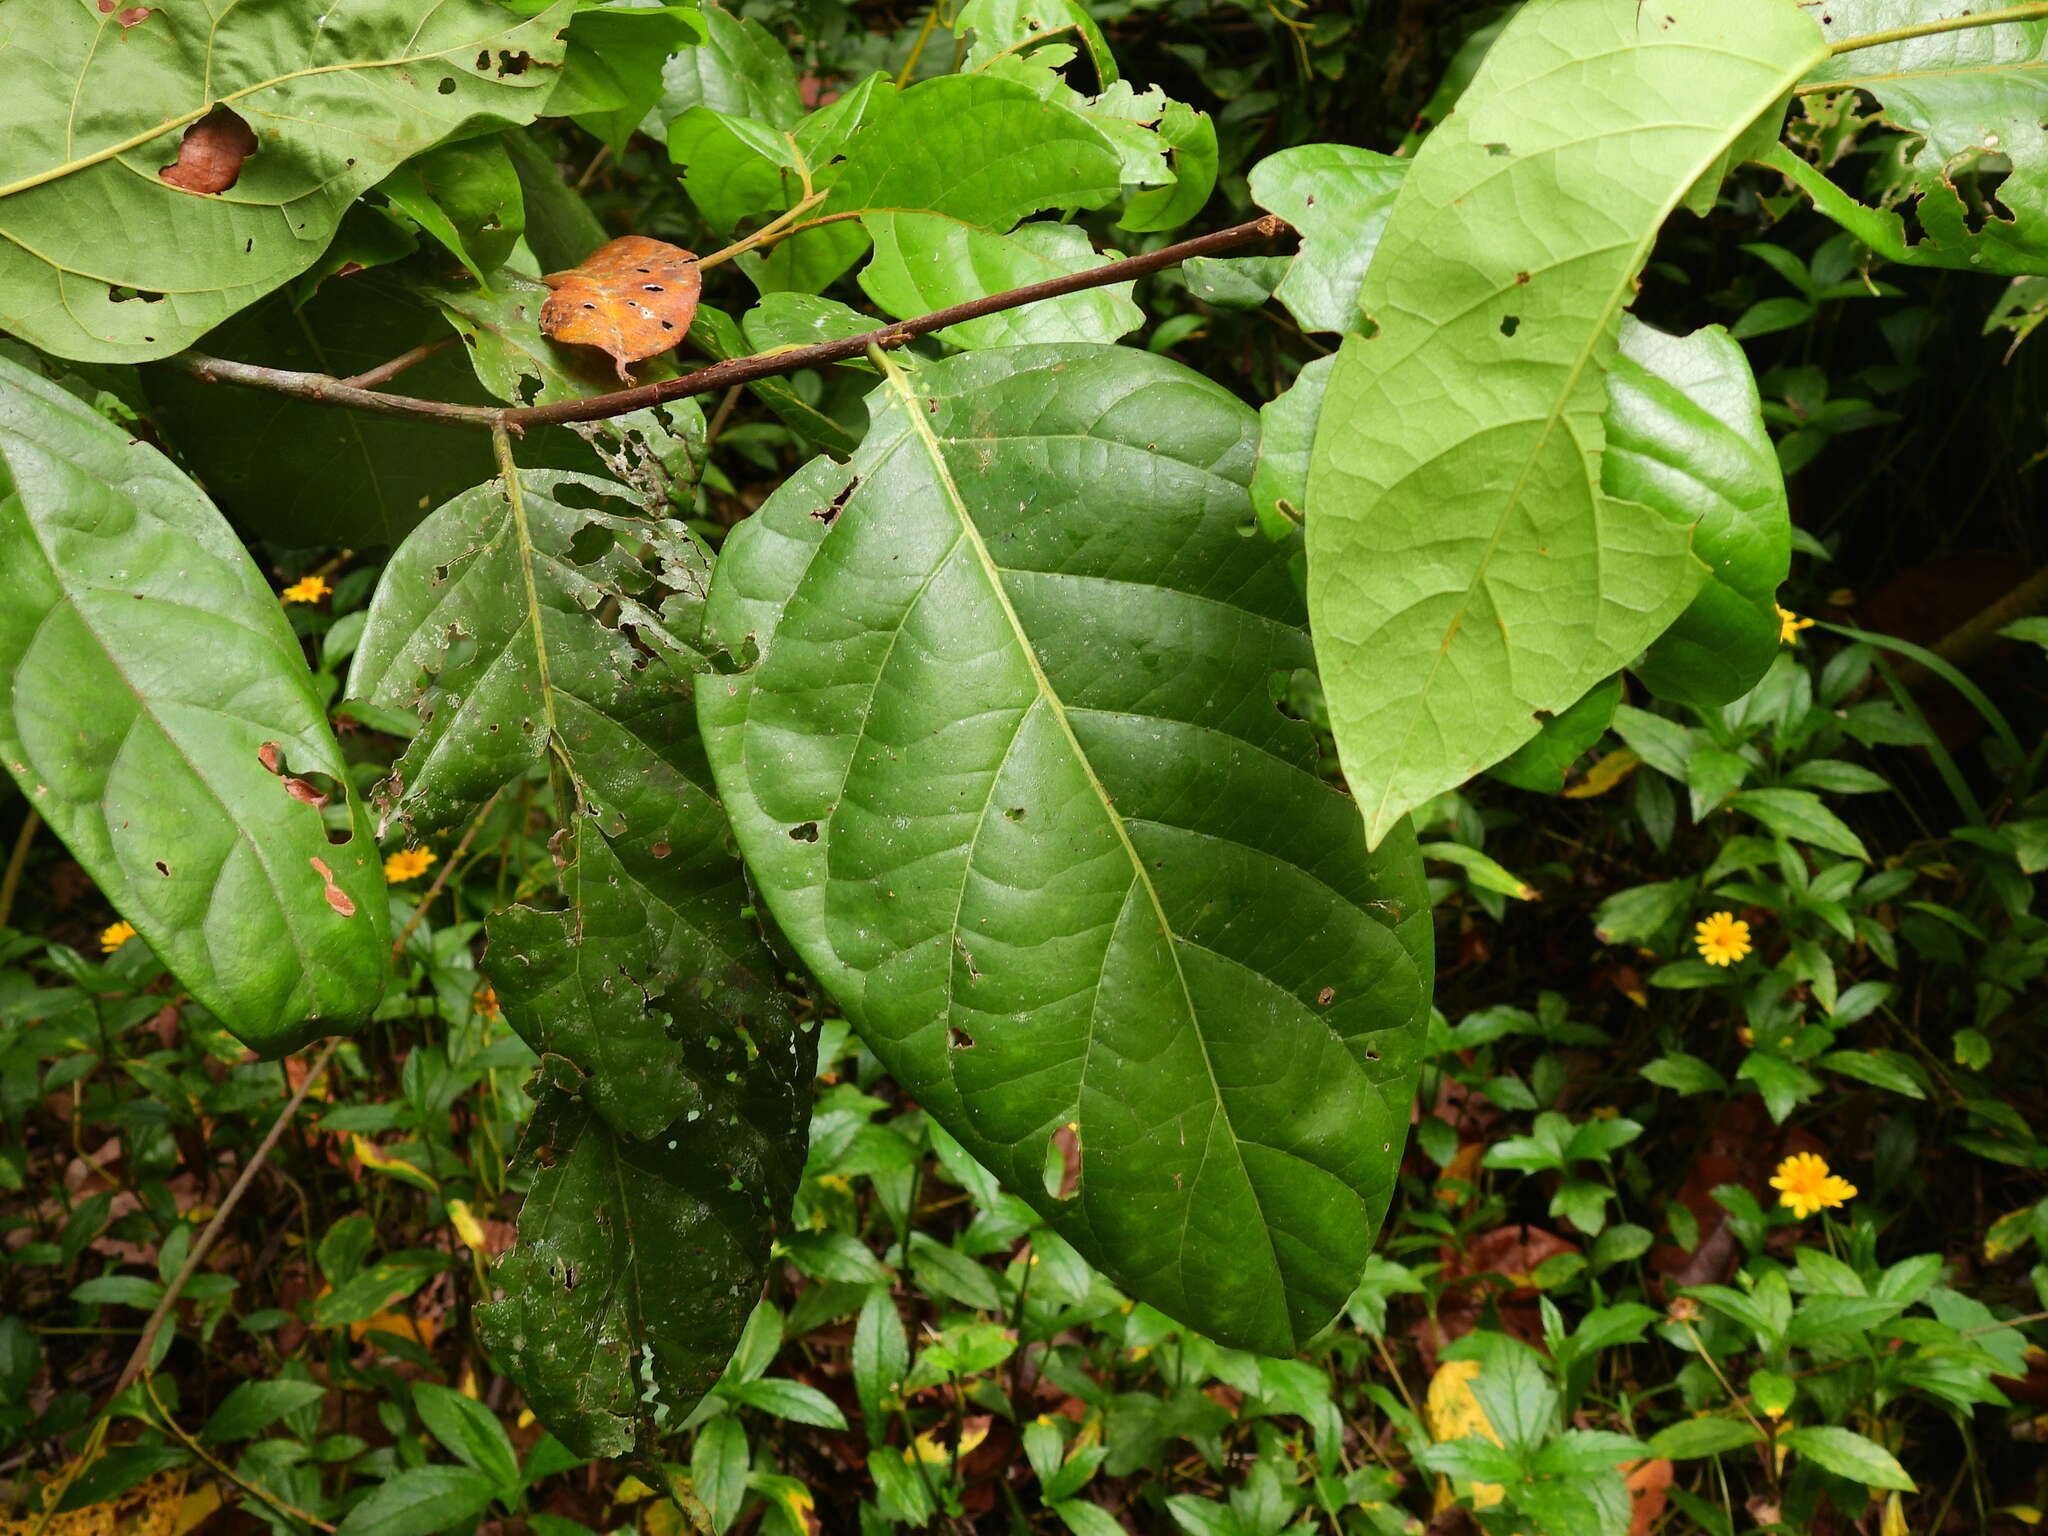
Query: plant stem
<point x="924" y="35"/>
<point x="391" y="370"/>
<point x="17" y="861"/>
<point x="260" y="1494"/>
<point x="321" y="389"/>
<point x="138" y="1362"/>
<point x="447" y="868"/>
<point x="2030" y="12"/>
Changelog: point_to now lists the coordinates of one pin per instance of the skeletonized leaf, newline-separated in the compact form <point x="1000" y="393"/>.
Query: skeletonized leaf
<point x="633" y="298"/>
<point x="1466" y="570"/>
<point x="1977" y="178"/>
<point x="110" y="257"/>
<point x="1011" y="777"/>
<point x="156" y="709"/>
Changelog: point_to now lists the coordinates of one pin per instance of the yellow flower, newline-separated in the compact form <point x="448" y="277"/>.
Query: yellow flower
<point x="112" y="938"/>
<point x="1789" y="625"/>
<point x="1804" y="1183"/>
<point x="406" y="864"/>
<point x="1723" y="939"/>
<point x="308" y="589"/>
<point x="485" y="999"/>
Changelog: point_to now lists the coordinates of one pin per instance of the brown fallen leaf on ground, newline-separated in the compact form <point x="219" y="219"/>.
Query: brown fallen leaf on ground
<point x="633" y="298"/>
<point x="211" y="153"/>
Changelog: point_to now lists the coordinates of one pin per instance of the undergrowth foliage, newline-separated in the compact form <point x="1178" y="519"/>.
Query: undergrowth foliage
<point x="1187" y="865"/>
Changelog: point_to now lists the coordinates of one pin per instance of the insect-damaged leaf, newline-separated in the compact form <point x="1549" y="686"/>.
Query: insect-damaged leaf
<point x="638" y="1263"/>
<point x="156" y="709"/>
<point x="633" y="298"/>
<point x="1467" y="571"/>
<point x="675" y="1086"/>
<point x="296" y="111"/>
<point x="1010" y="775"/>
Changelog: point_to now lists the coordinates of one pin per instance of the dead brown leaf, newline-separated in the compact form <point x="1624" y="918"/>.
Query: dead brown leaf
<point x="633" y="298"/>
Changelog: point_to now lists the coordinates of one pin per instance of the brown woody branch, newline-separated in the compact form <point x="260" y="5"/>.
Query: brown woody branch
<point x="322" y="389"/>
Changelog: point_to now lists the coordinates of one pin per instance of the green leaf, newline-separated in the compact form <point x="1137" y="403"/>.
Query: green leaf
<point x="637" y="1263"/>
<point x="1472" y="1459"/>
<point x="1190" y="139"/>
<point x="1685" y="435"/>
<point x="185" y="790"/>
<point x="98" y="108"/>
<point x="1969" y="102"/>
<point x="718" y="1469"/>
<point x="1848" y="1454"/>
<point x="471" y="1433"/>
<point x="1466" y="568"/>
<point x="118" y="1290"/>
<point x="802" y="320"/>
<point x="1012" y="787"/>
<point x="790" y="1400"/>
<point x="1684" y="1074"/>
<point x="1799" y="813"/>
<point x="1082" y="1518"/>
<point x="256" y="1405"/>
<point x="928" y="261"/>
<point x="1339" y="198"/>
<point x="1287" y="431"/>
<point x="1890" y="1070"/>
<point x="1542" y="763"/>
<point x="944" y="1272"/>
<point x="420" y="1501"/>
<point x="466" y="196"/>
<point x="740" y="68"/>
<point x="719" y="335"/>
<point x="612" y="75"/>
<point x="650" y="969"/>
<point x="881" y="1354"/>
<point x="1008" y="154"/>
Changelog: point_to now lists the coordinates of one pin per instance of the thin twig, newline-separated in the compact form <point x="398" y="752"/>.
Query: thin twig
<point x="17" y="861"/>
<point x="2030" y="12"/>
<point x="191" y="1443"/>
<point x="323" y="390"/>
<point x="139" y="1360"/>
<point x="774" y="230"/>
<point x="924" y="35"/>
<point x="385" y="372"/>
<point x="434" y="889"/>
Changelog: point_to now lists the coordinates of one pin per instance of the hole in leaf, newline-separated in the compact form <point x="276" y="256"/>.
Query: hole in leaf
<point x="804" y="832"/>
<point x="1498" y="151"/>
<point x="958" y="1038"/>
<point x="211" y="153"/>
<point x="1509" y="324"/>
<point x="1015" y="813"/>
<point x="591" y="543"/>
<point x="1062" y="1170"/>
<point x="163" y="869"/>
<point x="447" y="85"/>
<point x="1327" y="996"/>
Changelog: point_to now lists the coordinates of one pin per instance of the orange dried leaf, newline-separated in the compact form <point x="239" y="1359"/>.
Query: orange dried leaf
<point x="633" y="298"/>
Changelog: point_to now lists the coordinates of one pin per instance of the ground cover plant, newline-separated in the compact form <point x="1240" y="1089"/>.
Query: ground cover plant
<point x="1022" y="766"/>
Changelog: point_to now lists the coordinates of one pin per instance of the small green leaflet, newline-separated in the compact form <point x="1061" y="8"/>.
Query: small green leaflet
<point x="1466" y="569"/>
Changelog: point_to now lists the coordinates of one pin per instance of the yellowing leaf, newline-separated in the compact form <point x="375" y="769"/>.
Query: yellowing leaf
<point x="1453" y="1413"/>
<point x="466" y="1226"/>
<point x="1604" y="775"/>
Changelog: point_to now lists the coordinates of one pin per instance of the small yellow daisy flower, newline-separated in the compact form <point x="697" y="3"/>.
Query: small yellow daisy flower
<point x="1804" y="1183"/>
<point x="309" y="589"/>
<point x="1723" y="938"/>
<point x="407" y="864"/>
<point x="1789" y="625"/>
<point x="113" y="937"/>
<point x="485" y="1001"/>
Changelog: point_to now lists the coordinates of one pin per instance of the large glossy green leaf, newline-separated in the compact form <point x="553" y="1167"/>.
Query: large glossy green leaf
<point x="156" y="709"/>
<point x="101" y="259"/>
<point x="1466" y="570"/>
<point x="738" y="68"/>
<point x="1974" y="100"/>
<point x="1685" y="434"/>
<point x="1010" y="774"/>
